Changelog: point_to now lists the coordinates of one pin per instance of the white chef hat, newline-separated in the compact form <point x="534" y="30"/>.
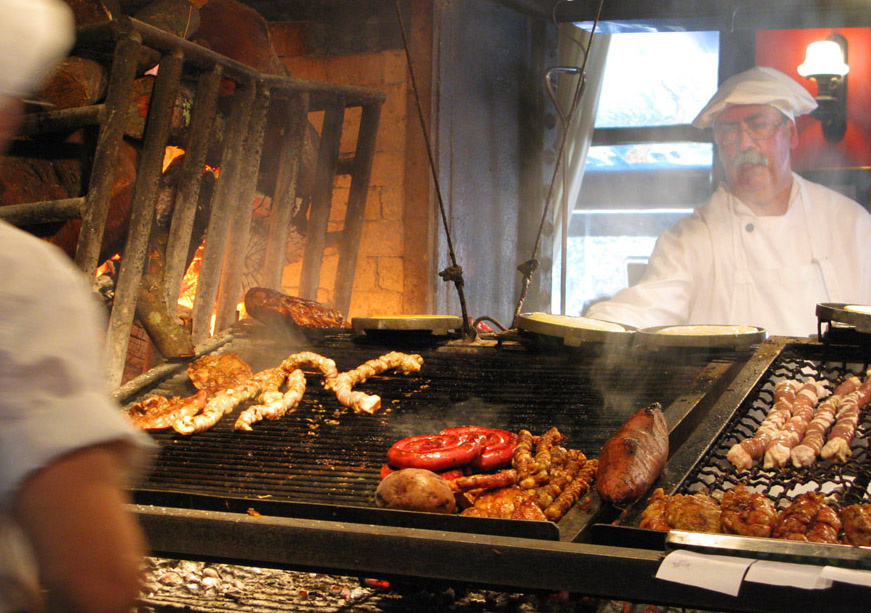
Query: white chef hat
<point x="34" y="36"/>
<point x="759" y="85"/>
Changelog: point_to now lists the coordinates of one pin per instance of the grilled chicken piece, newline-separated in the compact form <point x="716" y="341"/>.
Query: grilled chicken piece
<point x="808" y="518"/>
<point x="159" y="412"/>
<point x="506" y="503"/>
<point x="214" y="372"/>
<point x="747" y="513"/>
<point x="694" y="512"/>
<point x="857" y="524"/>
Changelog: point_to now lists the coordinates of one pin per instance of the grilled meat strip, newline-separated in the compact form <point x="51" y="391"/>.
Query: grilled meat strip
<point x="273" y="403"/>
<point x="225" y="400"/>
<point x="159" y="412"/>
<point x="343" y="383"/>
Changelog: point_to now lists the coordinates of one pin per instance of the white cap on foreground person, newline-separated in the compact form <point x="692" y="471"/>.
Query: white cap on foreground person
<point x="768" y="246"/>
<point x="67" y="541"/>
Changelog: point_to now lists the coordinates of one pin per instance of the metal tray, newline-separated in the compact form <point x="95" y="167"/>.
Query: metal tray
<point x="841" y="312"/>
<point x="654" y="337"/>
<point x="574" y="331"/>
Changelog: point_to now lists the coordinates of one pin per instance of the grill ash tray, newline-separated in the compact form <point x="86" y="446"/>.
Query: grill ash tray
<point x="544" y="530"/>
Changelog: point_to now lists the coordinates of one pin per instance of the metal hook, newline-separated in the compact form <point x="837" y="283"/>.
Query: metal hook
<point x="548" y="79"/>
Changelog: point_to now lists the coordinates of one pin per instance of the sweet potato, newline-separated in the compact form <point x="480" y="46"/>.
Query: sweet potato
<point x="633" y="458"/>
<point x="415" y="489"/>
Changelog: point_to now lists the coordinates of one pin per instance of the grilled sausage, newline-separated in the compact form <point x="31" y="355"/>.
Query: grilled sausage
<point x="633" y="458"/>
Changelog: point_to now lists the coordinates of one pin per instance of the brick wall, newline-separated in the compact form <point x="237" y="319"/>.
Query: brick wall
<point x="381" y="281"/>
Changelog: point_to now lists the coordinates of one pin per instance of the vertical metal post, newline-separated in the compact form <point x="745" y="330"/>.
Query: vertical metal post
<point x="322" y="194"/>
<point x="186" y="199"/>
<point x="226" y="193"/>
<point x="96" y="208"/>
<point x="142" y="213"/>
<point x="356" y="209"/>
<point x="237" y="243"/>
<point x="284" y="201"/>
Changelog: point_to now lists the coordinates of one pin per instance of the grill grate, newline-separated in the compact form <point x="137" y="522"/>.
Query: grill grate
<point x="324" y="453"/>
<point x="845" y="484"/>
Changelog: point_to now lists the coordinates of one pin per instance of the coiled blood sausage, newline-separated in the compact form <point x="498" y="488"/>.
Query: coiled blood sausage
<point x="498" y="446"/>
<point x="435" y="452"/>
<point x="483" y="449"/>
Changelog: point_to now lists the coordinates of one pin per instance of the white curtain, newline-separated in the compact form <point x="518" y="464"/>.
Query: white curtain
<point x="573" y="42"/>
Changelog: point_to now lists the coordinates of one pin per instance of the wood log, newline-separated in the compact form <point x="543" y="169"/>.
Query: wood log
<point x="140" y="102"/>
<point x="118" y="220"/>
<point x="88" y="12"/>
<point x="178" y="17"/>
<point x="239" y="32"/>
<point x="76" y="82"/>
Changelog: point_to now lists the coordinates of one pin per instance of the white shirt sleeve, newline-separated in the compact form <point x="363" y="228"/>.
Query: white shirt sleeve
<point x="663" y="295"/>
<point x="55" y="395"/>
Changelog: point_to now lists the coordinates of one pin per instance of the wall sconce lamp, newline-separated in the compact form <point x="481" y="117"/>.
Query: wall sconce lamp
<point x="826" y="63"/>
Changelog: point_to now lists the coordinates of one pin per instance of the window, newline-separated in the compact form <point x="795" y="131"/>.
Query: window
<point x="646" y="167"/>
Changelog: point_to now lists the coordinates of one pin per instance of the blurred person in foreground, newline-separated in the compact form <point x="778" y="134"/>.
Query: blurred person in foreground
<point x="67" y="542"/>
<point x="769" y="245"/>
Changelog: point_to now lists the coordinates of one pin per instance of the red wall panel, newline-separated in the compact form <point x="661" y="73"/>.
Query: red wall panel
<point x="785" y="50"/>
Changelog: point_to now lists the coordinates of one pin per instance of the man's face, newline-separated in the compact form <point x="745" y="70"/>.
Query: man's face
<point x="754" y="142"/>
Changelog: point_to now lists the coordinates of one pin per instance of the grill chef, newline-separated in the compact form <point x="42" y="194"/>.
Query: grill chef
<point x="769" y="245"/>
<point x="67" y="542"/>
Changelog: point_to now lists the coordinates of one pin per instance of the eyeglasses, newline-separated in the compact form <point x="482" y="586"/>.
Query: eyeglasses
<point x="729" y="133"/>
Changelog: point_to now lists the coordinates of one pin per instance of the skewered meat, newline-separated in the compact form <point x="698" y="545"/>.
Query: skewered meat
<point x="213" y="372"/>
<point x="806" y="452"/>
<point x="857" y="524"/>
<point x="743" y="454"/>
<point x="779" y="447"/>
<point x="273" y="403"/>
<point x="159" y="412"/>
<point x="343" y="383"/>
<point x="506" y="503"/>
<point x="838" y="442"/>
<point x="695" y="512"/>
<point x="632" y="459"/>
<point x="808" y="518"/>
<point x="579" y="486"/>
<point x="273" y="307"/>
<point x="747" y="513"/>
<point x="225" y="400"/>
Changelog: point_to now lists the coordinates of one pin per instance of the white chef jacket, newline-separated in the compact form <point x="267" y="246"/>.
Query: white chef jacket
<point x="54" y="395"/>
<point x="725" y="265"/>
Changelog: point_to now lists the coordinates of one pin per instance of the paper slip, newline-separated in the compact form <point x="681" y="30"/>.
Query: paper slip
<point x="847" y="575"/>
<point x="718" y="573"/>
<point x="805" y="576"/>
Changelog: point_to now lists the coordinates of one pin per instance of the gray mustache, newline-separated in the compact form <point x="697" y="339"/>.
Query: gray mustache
<point x="750" y="156"/>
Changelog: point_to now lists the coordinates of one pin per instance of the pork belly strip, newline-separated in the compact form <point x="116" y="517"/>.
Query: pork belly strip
<point x="779" y="447"/>
<point x="806" y="452"/>
<point x="841" y="435"/>
<point x="745" y="453"/>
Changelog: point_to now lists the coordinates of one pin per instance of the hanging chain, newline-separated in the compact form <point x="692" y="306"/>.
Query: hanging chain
<point x="528" y="267"/>
<point x="454" y="272"/>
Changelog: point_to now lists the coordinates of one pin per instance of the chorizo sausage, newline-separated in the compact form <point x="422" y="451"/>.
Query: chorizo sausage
<point x="632" y="459"/>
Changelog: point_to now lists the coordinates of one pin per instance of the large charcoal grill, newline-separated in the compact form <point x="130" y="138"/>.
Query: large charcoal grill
<point x="297" y="493"/>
